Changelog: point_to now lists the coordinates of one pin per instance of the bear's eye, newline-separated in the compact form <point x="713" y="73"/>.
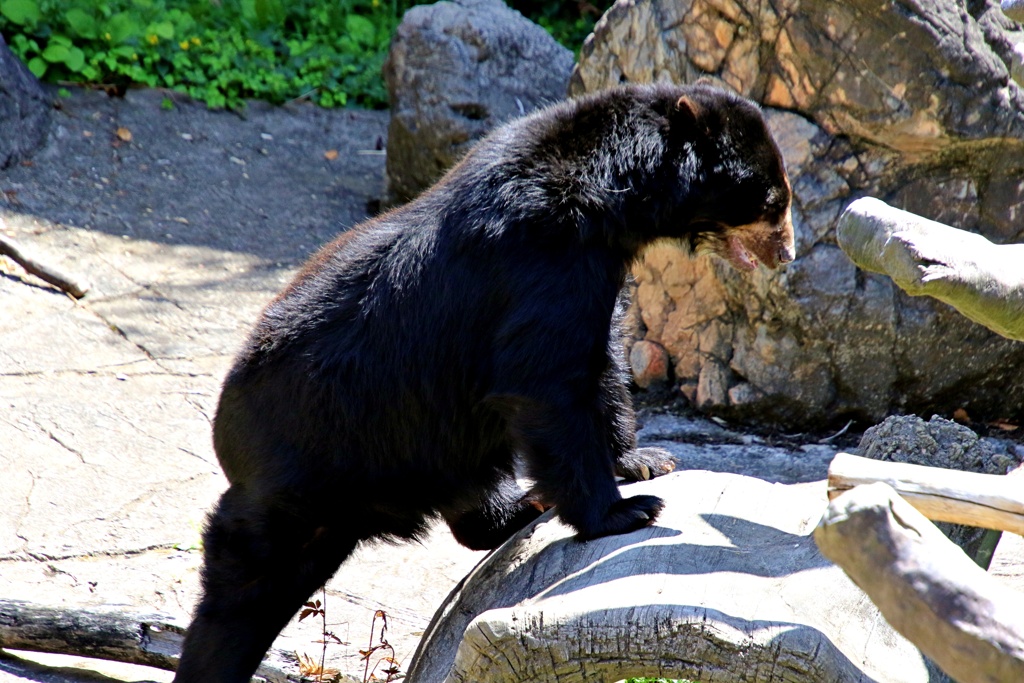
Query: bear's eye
<point x="777" y="198"/>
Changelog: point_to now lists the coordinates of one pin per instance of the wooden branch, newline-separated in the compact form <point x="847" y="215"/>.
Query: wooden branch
<point x="990" y="501"/>
<point x="925" y="586"/>
<point x="111" y="633"/>
<point x="1013" y="9"/>
<point x="74" y="286"/>
<point x="982" y="280"/>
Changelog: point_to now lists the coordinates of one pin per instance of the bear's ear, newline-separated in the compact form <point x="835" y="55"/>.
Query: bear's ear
<point x="687" y="111"/>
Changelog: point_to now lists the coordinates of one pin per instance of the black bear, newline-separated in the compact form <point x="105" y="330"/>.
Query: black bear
<point x="416" y="358"/>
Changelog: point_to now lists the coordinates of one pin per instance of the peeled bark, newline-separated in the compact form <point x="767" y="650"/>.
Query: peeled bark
<point x="990" y="501"/>
<point x="982" y="280"/>
<point x="925" y="586"/>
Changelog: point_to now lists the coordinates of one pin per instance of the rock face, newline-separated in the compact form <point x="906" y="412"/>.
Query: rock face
<point x="941" y="443"/>
<point x="456" y="70"/>
<point x="909" y="102"/>
<point x="24" y="110"/>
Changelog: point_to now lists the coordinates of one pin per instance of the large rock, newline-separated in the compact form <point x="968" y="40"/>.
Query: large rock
<point x="938" y="443"/>
<point x="727" y="586"/>
<point x="909" y="102"/>
<point x="24" y="110"/>
<point x="456" y="70"/>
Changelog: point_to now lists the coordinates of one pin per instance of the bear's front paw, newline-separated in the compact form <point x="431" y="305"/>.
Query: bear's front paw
<point x="645" y="463"/>
<point x="628" y="515"/>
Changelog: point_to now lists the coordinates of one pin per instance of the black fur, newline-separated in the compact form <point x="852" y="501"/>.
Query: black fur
<point x="416" y="357"/>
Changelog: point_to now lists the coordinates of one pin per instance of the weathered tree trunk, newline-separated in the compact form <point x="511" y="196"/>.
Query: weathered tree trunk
<point x="103" y="633"/>
<point x="925" y="586"/>
<point x="111" y="633"/>
<point x="982" y="280"/>
<point x="726" y="587"/>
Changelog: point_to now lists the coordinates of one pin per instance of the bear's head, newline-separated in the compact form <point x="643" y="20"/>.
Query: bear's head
<point x="737" y="198"/>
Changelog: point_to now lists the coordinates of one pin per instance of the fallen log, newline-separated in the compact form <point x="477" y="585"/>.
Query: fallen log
<point x="111" y="633"/>
<point x="990" y="501"/>
<point x="925" y="586"/>
<point x="982" y="280"/>
<point x="102" y="633"/>
<point x="726" y="587"/>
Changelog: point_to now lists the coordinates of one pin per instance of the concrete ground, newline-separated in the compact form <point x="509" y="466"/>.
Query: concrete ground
<point x="185" y="231"/>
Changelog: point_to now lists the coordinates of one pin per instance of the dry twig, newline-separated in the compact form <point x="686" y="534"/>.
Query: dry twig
<point x="74" y="286"/>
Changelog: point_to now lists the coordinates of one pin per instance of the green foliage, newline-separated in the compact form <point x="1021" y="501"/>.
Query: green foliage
<point x="330" y="51"/>
<point x="21" y="12"/>
<point x="568" y="22"/>
<point x="225" y="51"/>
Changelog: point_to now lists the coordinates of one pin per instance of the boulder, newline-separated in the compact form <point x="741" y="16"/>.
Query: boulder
<point x="727" y="586"/>
<point x="938" y="443"/>
<point x="909" y="102"/>
<point x="24" y="110"/>
<point x="649" y="362"/>
<point x="455" y="70"/>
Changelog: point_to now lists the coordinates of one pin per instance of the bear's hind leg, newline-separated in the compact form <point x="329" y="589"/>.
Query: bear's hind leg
<point x="506" y="508"/>
<point x="263" y="559"/>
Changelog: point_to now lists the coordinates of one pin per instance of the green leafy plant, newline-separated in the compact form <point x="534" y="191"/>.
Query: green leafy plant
<point x="225" y="51"/>
<point x="568" y="22"/>
<point x="220" y="53"/>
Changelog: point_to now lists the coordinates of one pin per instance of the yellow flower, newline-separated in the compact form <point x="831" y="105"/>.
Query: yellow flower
<point x="107" y="37"/>
<point x="152" y="39"/>
<point x="196" y="41"/>
<point x="184" y="44"/>
<point x="375" y="3"/>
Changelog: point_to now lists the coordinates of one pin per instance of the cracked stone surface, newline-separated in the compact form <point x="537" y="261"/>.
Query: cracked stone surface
<point x="185" y="232"/>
